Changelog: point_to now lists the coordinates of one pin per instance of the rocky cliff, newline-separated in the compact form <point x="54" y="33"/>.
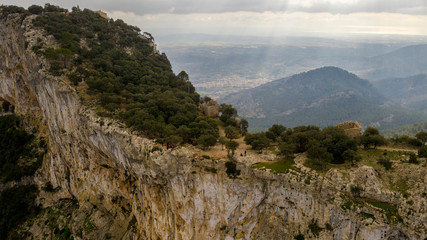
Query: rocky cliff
<point x="111" y="183"/>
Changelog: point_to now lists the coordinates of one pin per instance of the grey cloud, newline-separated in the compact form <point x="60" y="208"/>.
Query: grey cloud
<point x="142" y="7"/>
<point x="220" y="6"/>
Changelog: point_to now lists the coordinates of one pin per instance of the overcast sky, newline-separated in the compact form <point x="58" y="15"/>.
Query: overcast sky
<point x="263" y="17"/>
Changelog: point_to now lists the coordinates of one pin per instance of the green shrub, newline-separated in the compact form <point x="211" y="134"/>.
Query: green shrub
<point x="299" y="237"/>
<point x="211" y="170"/>
<point x="386" y="163"/>
<point x="413" y="158"/>
<point x="422" y="151"/>
<point x="314" y="228"/>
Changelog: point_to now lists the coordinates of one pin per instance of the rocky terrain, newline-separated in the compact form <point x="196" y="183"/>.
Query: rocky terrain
<point x="109" y="183"/>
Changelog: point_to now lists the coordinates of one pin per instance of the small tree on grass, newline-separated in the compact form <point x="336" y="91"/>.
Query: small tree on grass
<point x="372" y="138"/>
<point x="231" y="146"/>
<point x="231" y="132"/>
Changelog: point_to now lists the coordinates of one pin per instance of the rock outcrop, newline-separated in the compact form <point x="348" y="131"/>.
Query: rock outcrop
<point x="210" y="109"/>
<point x="351" y="129"/>
<point x="110" y="183"/>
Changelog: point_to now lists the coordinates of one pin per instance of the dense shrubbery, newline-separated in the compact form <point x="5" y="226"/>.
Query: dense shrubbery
<point x="329" y="145"/>
<point x="127" y="78"/>
<point x="20" y="153"/>
<point x="405" y="140"/>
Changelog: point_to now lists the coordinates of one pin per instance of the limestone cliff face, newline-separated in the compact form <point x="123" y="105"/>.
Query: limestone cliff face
<point x="123" y="188"/>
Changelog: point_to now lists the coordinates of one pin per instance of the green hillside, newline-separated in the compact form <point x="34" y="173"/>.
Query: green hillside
<point x="403" y="62"/>
<point x="324" y="96"/>
<point x="410" y="92"/>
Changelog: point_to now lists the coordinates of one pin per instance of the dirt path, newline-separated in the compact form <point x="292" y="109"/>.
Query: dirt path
<point x="220" y="152"/>
<point x="397" y="149"/>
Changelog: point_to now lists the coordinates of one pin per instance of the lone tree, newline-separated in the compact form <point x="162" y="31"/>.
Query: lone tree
<point x="244" y="124"/>
<point x="231" y="146"/>
<point x="231" y="132"/>
<point x="183" y="76"/>
<point x="222" y="140"/>
<point x="372" y="137"/>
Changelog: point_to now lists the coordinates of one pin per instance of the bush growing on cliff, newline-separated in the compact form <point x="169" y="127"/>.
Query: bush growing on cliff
<point x="6" y="106"/>
<point x="232" y="170"/>
<point x="299" y="237"/>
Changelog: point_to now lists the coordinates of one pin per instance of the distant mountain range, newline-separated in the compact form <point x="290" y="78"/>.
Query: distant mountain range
<point x="218" y="69"/>
<point x="404" y="62"/>
<point x="410" y="92"/>
<point x="322" y="97"/>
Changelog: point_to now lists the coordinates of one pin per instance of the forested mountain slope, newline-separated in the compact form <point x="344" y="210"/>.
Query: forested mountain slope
<point x="324" y="96"/>
<point x="409" y="92"/>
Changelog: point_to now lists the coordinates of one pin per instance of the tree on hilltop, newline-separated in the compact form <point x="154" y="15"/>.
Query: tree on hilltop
<point x="372" y="138"/>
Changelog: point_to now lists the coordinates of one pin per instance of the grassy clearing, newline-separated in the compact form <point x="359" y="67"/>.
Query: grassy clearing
<point x="367" y="215"/>
<point x="389" y="209"/>
<point x="280" y="166"/>
<point x="400" y="185"/>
